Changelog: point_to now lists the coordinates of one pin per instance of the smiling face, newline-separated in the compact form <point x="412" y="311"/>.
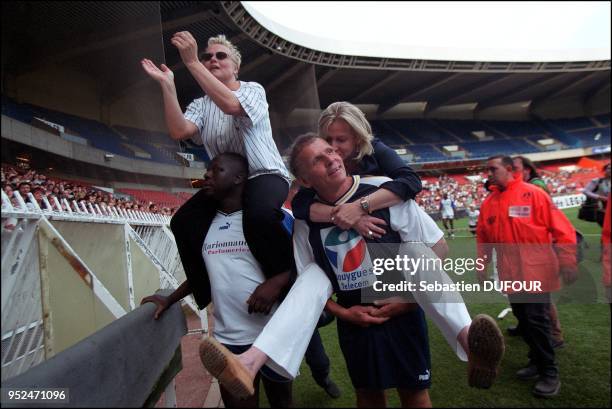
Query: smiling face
<point x="225" y="70"/>
<point x="321" y="167"/>
<point x="341" y="137"/>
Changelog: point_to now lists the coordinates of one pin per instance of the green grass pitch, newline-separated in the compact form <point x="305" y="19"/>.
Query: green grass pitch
<point x="584" y="362"/>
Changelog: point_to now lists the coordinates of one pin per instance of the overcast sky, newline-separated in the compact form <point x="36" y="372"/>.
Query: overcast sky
<point x="468" y="31"/>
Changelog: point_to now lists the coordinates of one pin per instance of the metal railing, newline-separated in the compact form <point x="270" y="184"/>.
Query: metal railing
<point x="47" y="262"/>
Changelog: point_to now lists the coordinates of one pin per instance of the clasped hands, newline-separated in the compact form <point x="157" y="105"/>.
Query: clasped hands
<point x="366" y="315"/>
<point x="351" y="215"/>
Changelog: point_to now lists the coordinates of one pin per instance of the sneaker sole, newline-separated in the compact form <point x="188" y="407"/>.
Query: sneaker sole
<point x="547" y="395"/>
<point x="486" y="349"/>
<point x="222" y="364"/>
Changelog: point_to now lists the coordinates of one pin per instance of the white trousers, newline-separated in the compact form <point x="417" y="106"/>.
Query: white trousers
<point x="286" y="336"/>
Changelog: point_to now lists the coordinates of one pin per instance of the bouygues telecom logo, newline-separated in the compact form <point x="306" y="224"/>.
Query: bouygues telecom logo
<point x="348" y="255"/>
<point x="345" y="249"/>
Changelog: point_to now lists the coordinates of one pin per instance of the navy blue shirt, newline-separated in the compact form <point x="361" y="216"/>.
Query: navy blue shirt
<point x="384" y="161"/>
<point x="346" y="257"/>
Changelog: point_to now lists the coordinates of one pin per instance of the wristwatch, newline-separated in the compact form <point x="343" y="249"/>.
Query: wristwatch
<point x="365" y="204"/>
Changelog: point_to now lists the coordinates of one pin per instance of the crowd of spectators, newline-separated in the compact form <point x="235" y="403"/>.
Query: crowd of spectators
<point x="562" y="182"/>
<point x="465" y="194"/>
<point x="470" y="191"/>
<point x="31" y="181"/>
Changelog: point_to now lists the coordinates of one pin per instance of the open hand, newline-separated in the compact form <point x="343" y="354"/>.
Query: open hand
<point x="160" y="75"/>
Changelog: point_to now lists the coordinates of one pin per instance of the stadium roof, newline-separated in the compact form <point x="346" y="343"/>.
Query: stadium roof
<point x="106" y="40"/>
<point x="532" y="31"/>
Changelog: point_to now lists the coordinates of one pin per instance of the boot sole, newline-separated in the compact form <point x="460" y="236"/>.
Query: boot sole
<point x="548" y="395"/>
<point x="224" y="366"/>
<point x="486" y="349"/>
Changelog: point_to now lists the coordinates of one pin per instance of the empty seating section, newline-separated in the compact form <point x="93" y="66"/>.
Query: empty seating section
<point x="571" y="124"/>
<point x="463" y="128"/>
<point x="157" y="197"/>
<point x="426" y="153"/>
<point x="592" y="137"/>
<point x="388" y="135"/>
<point x="516" y="128"/>
<point x="536" y="138"/>
<point x="159" y="145"/>
<point x="421" y="131"/>
<point x="484" y="149"/>
<point x="20" y="112"/>
<point x="423" y="137"/>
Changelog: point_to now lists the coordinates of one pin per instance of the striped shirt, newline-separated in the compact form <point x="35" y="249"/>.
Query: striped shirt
<point x="250" y="136"/>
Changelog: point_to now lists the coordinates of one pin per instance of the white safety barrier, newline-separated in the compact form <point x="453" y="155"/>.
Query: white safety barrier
<point x="72" y="268"/>
<point x="568" y="201"/>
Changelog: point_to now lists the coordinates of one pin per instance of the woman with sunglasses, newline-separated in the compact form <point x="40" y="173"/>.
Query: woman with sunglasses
<point x="232" y="117"/>
<point x="346" y="128"/>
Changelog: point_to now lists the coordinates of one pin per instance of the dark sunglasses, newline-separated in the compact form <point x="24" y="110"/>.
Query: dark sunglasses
<point x="219" y="54"/>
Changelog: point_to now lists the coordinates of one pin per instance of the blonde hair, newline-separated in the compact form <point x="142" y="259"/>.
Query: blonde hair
<point x="356" y="119"/>
<point x="234" y="53"/>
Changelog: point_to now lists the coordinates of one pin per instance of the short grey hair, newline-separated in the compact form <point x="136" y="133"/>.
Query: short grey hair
<point x="234" y="53"/>
<point x="356" y="120"/>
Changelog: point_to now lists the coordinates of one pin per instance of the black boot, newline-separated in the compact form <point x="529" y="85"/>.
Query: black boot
<point x="330" y="387"/>
<point x="528" y="373"/>
<point x="547" y="387"/>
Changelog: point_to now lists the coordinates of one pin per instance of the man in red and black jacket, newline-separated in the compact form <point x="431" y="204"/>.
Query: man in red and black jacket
<point x="535" y="244"/>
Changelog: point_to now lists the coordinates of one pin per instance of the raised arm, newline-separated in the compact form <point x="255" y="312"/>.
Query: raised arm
<point x="221" y="95"/>
<point x="178" y="126"/>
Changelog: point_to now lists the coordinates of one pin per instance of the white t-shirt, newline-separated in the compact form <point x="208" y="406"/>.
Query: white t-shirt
<point x="447" y="208"/>
<point x="234" y="274"/>
<point x="473" y="215"/>
<point x="250" y="136"/>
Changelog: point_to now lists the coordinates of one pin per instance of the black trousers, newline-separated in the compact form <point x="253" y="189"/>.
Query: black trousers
<point x="533" y="314"/>
<point x="315" y="355"/>
<point x="263" y="230"/>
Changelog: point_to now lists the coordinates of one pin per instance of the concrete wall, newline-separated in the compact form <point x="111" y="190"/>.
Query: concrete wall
<point x="141" y="108"/>
<point x="60" y="88"/>
<point x="102" y="249"/>
<point x="74" y="312"/>
<point x="144" y="273"/>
